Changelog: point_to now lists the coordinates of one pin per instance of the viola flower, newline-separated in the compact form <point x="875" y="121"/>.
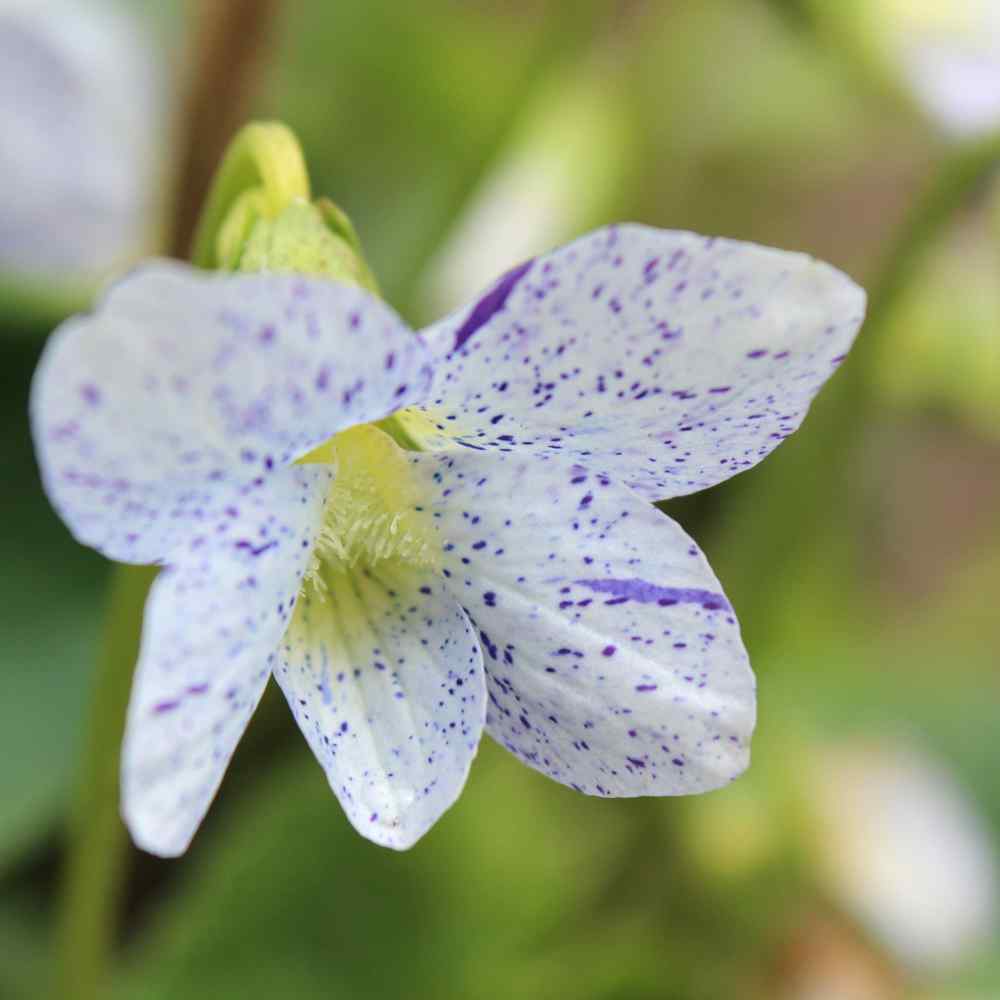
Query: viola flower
<point x="424" y="535"/>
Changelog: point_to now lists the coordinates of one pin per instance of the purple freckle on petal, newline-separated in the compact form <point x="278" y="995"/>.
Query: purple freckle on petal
<point x="323" y="379"/>
<point x="644" y="688"/>
<point x="491" y="303"/>
<point x="390" y="361"/>
<point x="266" y="335"/>
<point x="608" y="651"/>
<point x="162" y="707"/>
<point x="759" y="353"/>
<point x="91" y="394"/>
<point x="255" y="550"/>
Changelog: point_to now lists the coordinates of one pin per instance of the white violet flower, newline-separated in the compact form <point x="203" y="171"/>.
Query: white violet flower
<point x="424" y="535"/>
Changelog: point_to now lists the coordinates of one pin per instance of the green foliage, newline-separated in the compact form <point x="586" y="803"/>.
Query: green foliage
<point x="51" y="591"/>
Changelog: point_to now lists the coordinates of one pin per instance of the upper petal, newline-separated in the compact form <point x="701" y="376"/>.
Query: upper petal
<point x="213" y="622"/>
<point x="613" y="660"/>
<point x="665" y="359"/>
<point x="182" y="381"/>
<point x="385" y="677"/>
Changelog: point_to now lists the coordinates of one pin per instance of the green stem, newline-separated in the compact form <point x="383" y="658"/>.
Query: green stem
<point x="780" y="511"/>
<point x="966" y="170"/>
<point x="94" y="871"/>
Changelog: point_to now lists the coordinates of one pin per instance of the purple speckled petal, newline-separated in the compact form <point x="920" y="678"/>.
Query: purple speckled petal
<point x="664" y="359"/>
<point x="184" y="386"/>
<point x="214" y="621"/>
<point x="385" y="677"/>
<point x="613" y="660"/>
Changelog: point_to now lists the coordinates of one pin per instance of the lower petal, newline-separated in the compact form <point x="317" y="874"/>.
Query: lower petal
<point x="614" y="662"/>
<point x="385" y="678"/>
<point x="213" y="623"/>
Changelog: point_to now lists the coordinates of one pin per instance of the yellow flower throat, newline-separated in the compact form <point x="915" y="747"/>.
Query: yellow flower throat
<point x="372" y="512"/>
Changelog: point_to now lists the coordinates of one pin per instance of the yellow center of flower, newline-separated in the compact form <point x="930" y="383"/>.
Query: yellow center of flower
<point x="372" y="513"/>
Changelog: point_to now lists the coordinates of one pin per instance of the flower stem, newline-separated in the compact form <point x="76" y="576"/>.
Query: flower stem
<point x="777" y="517"/>
<point x="959" y="177"/>
<point x="94" y="871"/>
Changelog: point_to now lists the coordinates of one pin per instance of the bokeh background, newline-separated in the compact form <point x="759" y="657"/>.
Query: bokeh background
<point x="858" y="858"/>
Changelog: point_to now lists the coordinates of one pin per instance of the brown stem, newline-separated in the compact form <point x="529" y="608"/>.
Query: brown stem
<point x="227" y="66"/>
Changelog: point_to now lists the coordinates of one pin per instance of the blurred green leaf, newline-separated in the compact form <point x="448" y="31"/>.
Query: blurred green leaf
<point x="401" y="108"/>
<point x="51" y="591"/>
<point x="23" y="944"/>
<point x="322" y="912"/>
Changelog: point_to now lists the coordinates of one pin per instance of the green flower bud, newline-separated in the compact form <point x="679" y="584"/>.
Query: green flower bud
<point x="259" y="217"/>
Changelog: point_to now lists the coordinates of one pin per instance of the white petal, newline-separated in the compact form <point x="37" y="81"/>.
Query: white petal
<point x="385" y="677"/>
<point x="613" y="660"/>
<point x="213" y="624"/>
<point x="666" y="360"/>
<point x="184" y="383"/>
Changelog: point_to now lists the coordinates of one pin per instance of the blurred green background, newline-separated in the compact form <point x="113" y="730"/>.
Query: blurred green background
<point x="858" y="857"/>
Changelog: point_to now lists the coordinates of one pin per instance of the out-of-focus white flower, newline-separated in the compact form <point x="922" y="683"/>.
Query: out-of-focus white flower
<point x="905" y="851"/>
<point x="82" y="101"/>
<point x="949" y="52"/>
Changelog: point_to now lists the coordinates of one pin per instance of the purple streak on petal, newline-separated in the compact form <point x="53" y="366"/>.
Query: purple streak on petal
<point x="650" y="593"/>
<point x="491" y="303"/>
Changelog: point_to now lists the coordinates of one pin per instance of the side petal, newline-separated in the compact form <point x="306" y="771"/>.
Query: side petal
<point x="214" y="621"/>
<point x="385" y="678"/>
<point x="184" y="382"/>
<point x="666" y="360"/>
<point x="613" y="661"/>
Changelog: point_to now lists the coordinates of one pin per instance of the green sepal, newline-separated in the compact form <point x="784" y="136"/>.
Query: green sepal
<point x="337" y="220"/>
<point x="299" y="241"/>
